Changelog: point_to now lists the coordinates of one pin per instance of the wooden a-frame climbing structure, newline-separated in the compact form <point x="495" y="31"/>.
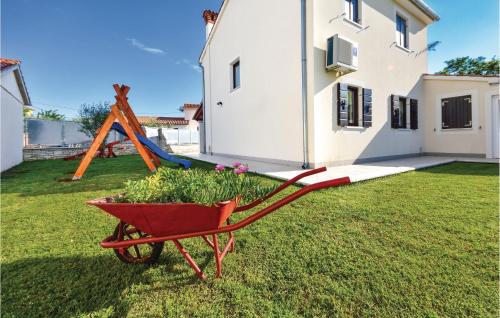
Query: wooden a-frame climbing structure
<point x="123" y="114"/>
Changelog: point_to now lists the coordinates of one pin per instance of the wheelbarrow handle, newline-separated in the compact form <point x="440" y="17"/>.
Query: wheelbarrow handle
<point x="292" y="197"/>
<point x="279" y="189"/>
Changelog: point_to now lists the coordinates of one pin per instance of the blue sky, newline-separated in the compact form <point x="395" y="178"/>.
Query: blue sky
<point x="466" y="28"/>
<point x="73" y="50"/>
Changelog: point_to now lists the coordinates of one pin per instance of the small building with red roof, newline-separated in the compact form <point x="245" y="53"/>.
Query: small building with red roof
<point x="186" y="122"/>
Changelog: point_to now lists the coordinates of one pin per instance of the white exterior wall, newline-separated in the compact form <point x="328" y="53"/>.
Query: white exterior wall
<point x="261" y="119"/>
<point x="12" y="129"/>
<point x="475" y="141"/>
<point x="189" y="112"/>
<point x="188" y="115"/>
<point x="383" y="67"/>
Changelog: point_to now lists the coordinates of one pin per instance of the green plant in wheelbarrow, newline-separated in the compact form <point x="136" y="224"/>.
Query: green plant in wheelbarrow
<point x="195" y="186"/>
<point x="177" y="204"/>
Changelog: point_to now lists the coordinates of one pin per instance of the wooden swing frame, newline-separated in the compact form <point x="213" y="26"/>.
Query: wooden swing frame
<point x="120" y="112"/>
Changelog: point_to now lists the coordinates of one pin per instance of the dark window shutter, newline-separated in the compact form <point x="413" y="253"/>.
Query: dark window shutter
<point x="367" y="107"/>
<point x="445" y="113"/>
<point x="413" y="114"/>
<point x="456" y="112"/>
<point x="342" y="93"/>
<point x="394" y="111"/>
<point x="468" y="111"/>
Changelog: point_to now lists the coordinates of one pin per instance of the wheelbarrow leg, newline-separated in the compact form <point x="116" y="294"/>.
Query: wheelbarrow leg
<point x="231" y="238"/>
<point x="217" y="254"/>
<point x="190" y="261"/>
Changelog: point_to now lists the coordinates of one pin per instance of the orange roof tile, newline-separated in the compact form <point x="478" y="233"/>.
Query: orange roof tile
<point x="191" y="105"/>
<point x="4" y="63"/>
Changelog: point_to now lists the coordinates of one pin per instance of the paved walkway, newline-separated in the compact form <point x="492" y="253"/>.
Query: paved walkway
<point x="357" y="172"/>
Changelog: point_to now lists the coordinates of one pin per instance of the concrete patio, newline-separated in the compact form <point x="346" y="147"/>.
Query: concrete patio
<point x="357" y="172"/>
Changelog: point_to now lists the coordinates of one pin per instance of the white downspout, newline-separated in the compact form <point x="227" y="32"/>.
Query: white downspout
<point x="305" y="136"/>
<point x="203" y="148"/>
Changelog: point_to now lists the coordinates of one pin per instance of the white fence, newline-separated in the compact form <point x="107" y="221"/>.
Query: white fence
<point x="66" y="133"/>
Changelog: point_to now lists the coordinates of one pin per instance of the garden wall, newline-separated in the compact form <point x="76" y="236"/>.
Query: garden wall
<point x="127" y="148"/>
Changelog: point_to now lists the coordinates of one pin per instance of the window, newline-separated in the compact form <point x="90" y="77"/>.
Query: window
<point x="402" y="31"/>
<point x="349" y="106"/>
<point x="456" y="112"/>
<point x="402" y="113"/>
<point x="235" y="75"/>
<point x="352" y="106"/>
<point x="402" y="110"/>
<point x="352" y="10"/>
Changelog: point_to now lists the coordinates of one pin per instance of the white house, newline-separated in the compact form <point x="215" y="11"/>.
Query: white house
<point x="14" y="97"/>
<point x="189" y="111"/>
<point x="186" y="122"/>
<point x="331" y="82"/>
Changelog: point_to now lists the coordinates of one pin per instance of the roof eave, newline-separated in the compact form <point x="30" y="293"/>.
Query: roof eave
<point x="426" y="9"/>
<point x="18" y="74"/>
<point x="474" y="78"/>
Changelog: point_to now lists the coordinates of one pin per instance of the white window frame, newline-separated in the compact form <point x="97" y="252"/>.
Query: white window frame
<point x="359" y="109"/>
<point x="488" y="121"/>
<point x="231" y="75"/>
<point x="406" y="17"/>
<point x="347" y="9"/>
<point x="405" y="106"/>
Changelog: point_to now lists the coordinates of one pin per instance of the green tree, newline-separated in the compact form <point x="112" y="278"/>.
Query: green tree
<point x="27" y="112"/>
<point x="92" y="117"/>
<point x="471" y="66"/>
<point x="50" y="114"/>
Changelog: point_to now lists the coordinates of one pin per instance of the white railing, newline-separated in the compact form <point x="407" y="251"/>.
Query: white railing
<point x="174" y="136"/>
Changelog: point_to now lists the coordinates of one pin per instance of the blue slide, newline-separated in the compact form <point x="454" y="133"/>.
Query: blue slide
<point x="152" y="147"/>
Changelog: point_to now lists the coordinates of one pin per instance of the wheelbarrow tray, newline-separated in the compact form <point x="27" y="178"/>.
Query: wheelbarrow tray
<point x="163" y="219"/>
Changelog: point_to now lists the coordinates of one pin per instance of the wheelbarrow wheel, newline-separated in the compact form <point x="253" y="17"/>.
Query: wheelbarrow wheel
<point x="146" y="254"/>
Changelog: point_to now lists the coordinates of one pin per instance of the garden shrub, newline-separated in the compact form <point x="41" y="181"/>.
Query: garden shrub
<point x="195" y="186"/>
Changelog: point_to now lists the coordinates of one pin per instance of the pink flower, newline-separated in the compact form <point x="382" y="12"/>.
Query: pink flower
<point x="219" y="168"/>
<point x="243" y="168"/>
<point x="236" y="164"/>
<point x="238" y="171"/>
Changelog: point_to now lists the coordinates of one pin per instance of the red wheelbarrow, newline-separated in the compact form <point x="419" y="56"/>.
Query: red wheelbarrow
<point x="145" y="227"/>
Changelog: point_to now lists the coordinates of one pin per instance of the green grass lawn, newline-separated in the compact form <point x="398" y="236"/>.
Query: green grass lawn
<point x="420" y="244"/>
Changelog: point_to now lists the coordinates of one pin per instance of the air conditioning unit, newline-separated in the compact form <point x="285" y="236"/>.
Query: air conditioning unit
<point x="341" y="54"/>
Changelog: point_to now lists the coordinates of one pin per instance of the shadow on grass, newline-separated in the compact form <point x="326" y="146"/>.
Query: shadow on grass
<point x="465" y="169"/>
<point x="52" y="176"/>
<point x="65" y="286"/>
<point x="74" y="286"/>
